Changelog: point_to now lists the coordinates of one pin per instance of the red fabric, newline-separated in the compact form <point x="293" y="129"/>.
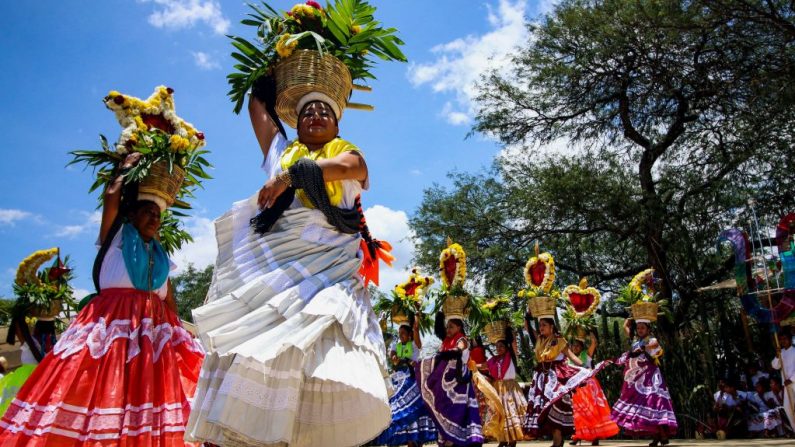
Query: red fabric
<point x="592" y="413"/>
<point x="121" y="375"/>
<point x="478" y="354"/>
<point x="451" y="343"/>
<point x="498" y="366"/>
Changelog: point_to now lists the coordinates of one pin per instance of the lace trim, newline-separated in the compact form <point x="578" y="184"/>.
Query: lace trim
<point x="99" y="336"/>
<point x="259" y="395"/>
<point x="75" y="421"/>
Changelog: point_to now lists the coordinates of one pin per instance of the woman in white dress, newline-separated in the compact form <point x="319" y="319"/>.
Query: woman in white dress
<point x="295" y="353"/>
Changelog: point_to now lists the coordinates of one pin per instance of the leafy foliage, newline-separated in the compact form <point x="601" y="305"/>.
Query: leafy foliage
<point x="155" y="147"/>
<point x="190" y="289"/>
<point x="345" y="28"/>
<point x="662" y="105"/>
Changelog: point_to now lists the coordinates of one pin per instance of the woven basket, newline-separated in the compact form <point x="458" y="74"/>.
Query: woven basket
<point x="56" y="306"/>
<point x="399" y="317"/>
<point x="455" y="307"/>
<point x="495" y="331"/>
<point x="306" y="71"/>
<point x="580" y="333"/>
<point x="542" y="307"/>
<point x="644" y="311"/>
<point x="160" y="186"/>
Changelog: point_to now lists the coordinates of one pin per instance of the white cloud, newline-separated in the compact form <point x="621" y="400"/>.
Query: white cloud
<point x="177" y="14"/>
<point x="12" y="216"/>
<point x="415" y="172"/>
<point x="79" y="294"/>
<point x="392" y="226"/>
<point x="460" y="63"/>
<point x="205" y="61"/>
<point x="203" y="250"/>
<point x="90" y="222"/>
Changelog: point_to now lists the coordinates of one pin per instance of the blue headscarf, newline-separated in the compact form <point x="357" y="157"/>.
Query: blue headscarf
<point x="137" y="258"/>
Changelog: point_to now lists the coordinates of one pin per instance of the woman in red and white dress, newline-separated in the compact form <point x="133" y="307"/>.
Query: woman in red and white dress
<point x="124" y="371"/>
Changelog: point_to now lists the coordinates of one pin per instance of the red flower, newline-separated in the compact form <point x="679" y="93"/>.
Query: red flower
<point x="200" y="136"/>
<point x="119" y="100"/>
<point x="314" y="4"/>
<point x="170" y="90"/>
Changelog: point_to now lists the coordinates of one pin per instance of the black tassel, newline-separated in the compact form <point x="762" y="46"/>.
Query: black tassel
<point x="264" y="221"/>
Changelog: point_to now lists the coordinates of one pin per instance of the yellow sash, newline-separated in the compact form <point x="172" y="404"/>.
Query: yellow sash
<point x="297" y="150"/>
<point x="546" y="351"/>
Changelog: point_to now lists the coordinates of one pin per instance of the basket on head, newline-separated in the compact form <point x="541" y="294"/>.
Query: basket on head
<point x="304" y="72"/>
<point x="542" y="307"/>
<point x="580" y="333"/>
<point x="455" y="307"/>
<point x="399" y="317"/>
<point x="51" y="313"/>
<point x="161" y="186"/>
<point x="496" y="331"/>
<point x="644" y="312"/>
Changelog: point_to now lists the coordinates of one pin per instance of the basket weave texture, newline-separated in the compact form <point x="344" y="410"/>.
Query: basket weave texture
<point x="161" y="186"/>
<point x="399" y="317"/>
<point x="306" y="71"/>
<point x="644" y="311"/>
<point x="56" y="306"/>
<point x="495" y="331"/>
<point x="455" y="307"/>
<point x="542" y="306"/>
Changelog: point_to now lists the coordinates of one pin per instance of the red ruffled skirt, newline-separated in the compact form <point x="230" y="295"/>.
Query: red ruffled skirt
<point x="592" y="413"/>
<point x="121" y="375"/>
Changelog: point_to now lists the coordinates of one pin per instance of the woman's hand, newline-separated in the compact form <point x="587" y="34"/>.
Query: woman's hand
<point x="270" y="192"/>
<point x="131" y="160"/>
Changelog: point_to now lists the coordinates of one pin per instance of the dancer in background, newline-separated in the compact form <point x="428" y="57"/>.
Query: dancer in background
<point x="502" y="370"/>
<point x="411" y="424"/>
<point x="550" y="409"/>
<point x="447" y="388"/>
<point x="644" y="407"/>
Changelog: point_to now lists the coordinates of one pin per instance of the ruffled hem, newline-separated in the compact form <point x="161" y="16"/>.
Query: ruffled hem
<point x="297" y="353"/>
<point x="123" y="374"/>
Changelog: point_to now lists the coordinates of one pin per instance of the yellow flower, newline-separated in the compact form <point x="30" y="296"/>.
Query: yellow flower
<point x="178" y="143"/>
<point x="356" y="29"/>
<point x="283" y="48"/>
<point x="139" y="123"/>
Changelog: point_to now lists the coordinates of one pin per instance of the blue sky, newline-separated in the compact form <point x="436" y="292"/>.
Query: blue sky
<point x="61" y="58"/>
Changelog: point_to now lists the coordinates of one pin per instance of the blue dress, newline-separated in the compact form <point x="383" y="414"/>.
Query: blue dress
<point x="410" y="419"/>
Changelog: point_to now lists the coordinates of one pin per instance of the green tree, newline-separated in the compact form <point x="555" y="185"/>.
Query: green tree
<point x="676" y="113"/>
<point x="190" y="289"/>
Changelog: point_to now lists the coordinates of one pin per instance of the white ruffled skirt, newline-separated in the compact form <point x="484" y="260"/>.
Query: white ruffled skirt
<point x="295" y="355"/>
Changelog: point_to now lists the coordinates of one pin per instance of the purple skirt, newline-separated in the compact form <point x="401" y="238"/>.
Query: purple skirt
<point x="645" y="402"/>
<point x="448" y="391"/>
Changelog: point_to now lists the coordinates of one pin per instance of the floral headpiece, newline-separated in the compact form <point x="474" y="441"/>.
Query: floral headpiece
<point x="414" y="289"/>
<point x="138" y="116"/>
<point x="453" y="265"/>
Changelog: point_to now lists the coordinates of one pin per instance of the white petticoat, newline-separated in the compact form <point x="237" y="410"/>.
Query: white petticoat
<point x="295" y="355"/>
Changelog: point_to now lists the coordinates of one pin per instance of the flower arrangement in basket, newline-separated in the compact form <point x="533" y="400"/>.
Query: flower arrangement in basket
<point x="642" y="299"/>
<point x="492" y="317"/>
<point x="541" y="294"/>
<point x="311" y="48"/>
<point x="581" y="303"/>
<point x="452" y="299"/>
<point x="43" y="293"/>
<point x="407" y="301"/>
<point x="172" y="165"/>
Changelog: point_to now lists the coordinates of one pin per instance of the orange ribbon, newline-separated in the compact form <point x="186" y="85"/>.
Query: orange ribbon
<point x="369" y="268"/>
